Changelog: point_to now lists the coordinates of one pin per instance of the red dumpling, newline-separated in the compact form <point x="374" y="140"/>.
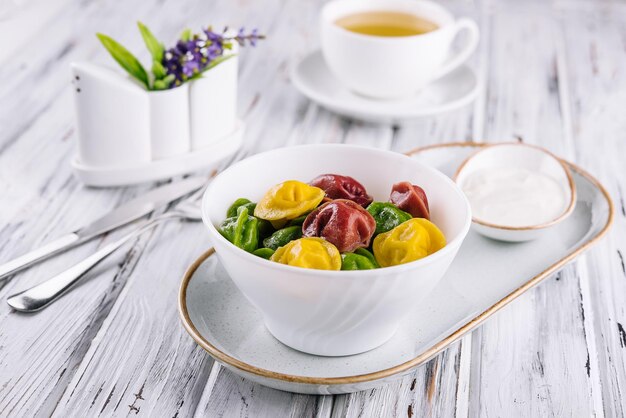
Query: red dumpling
<point x="342" y="187"/>
<point x="410" y="198"/>
<point x="343" y="223"/>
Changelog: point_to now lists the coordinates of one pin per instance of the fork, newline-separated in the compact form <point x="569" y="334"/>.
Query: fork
<point x="41" y="295"/>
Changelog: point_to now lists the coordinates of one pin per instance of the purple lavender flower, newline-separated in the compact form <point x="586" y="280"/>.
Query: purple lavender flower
<point x="252" y="37"/>
<point x="190" y="57"/>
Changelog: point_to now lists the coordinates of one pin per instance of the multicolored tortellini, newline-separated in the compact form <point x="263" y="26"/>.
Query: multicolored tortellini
<point x="387" y="216"/>
<point x="310" y="253"/>
<point x="341" y="222"/>
<point x="342" y="187"/>
<point x="410" y="198"/>
<point x="265" y="227"/>
<point x="232" y="210"/>
<point x="242" y="230"/>
<point x="360" y="259"/>
<point x="332" y="223"/>
<point x="409" y="241"/>
<point x="282" y="237"/>
<point x="265" y="253"/>
<point x="287" y="201"/>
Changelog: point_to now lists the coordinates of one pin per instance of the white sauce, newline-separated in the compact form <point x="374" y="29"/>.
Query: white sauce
<point x="514" y="196"/>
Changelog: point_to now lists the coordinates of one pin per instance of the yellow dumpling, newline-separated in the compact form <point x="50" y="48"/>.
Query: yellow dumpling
<point x="288" y="200"/>
<point x="310" y="253"/>
<point x="409" y="241"/>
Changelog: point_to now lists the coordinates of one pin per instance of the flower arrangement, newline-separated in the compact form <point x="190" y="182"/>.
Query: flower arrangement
<point x="192" y="55"/>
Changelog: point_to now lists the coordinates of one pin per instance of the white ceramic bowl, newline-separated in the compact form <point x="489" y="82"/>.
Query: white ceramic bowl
<point x="526" y="156"/>
<point x="334" y="313"/>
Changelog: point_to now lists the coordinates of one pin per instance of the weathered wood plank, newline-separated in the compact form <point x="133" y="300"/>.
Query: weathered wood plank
<point x="301" y="122"/>
<point x="229" y="395"/>
<point x="527" y="351"/>
<point x="141" y="361"/>
<point x="595" y="57"/>
<point x="432" y="390"/>
<point x="265" y="93"/>
<point x="441" y="387"/>
<point x="40" y="200"/>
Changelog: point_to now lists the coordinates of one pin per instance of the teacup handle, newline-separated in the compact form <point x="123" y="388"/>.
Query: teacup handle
<point x="468" y="49"/>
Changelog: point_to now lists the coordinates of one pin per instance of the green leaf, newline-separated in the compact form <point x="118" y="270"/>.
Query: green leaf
<point x="155" y="47"/>
<point x="160" y="85"/>
<point x="186" y="35"/>
<point x="164" y="83"/>
<point x="125" y="59"/>
<point x="158" y="70"/>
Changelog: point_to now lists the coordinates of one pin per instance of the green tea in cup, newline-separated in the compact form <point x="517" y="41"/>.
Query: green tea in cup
<point x="386" y="23"/>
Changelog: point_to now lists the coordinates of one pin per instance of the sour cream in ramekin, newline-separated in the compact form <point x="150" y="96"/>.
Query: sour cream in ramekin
<point x="514" y="196"/>
<point x="516" y="191"/>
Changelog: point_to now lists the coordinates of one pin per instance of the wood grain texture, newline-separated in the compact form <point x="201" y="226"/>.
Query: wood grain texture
<point x="40" y="200"/>
<point x="528" y="349"/>
<point x="554" y="75"/>
<point x="595" y="55"/>
<point x="142" y="328"/>
<point x="229" y="395"/>
<point x="174" y="370"/>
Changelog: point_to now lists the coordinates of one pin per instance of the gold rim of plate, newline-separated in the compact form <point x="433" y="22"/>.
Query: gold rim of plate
<point x="425" y="355"/>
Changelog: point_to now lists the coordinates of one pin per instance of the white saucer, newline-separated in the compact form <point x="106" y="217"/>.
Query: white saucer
<point x="222" y="321"/>
<point x="313" y="78"/>
<point x="164" y="168"/>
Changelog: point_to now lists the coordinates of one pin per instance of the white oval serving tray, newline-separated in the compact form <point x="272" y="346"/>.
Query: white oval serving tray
<point x="161" y="169"/>
<point x="479" y="283"/>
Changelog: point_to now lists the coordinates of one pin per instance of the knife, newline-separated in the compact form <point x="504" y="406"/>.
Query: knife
<point x="119" y="216"/>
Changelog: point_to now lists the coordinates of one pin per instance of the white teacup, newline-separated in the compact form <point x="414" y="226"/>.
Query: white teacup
<point x="387" y="67"/>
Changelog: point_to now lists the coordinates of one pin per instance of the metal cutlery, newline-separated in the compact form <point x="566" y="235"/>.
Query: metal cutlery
<point x="119" y="216"/>
<point x="41" y="295"/>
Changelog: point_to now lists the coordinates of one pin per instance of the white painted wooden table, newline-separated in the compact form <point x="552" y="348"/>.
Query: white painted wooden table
<point x="554" y="74"/>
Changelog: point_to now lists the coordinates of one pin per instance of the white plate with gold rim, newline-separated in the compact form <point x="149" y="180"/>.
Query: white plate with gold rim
<point x="313" y="78"/>
<point x="226" y="325"/>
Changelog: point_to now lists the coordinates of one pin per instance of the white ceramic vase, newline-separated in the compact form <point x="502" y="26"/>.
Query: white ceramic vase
<point x="120" y="124"/>
<point x="213" y="104"/>
<point x="113" y="118"/>
<point x="169" y="122"/>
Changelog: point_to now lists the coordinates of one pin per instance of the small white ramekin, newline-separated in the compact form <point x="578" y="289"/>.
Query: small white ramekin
<point x="526" y="156"/>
